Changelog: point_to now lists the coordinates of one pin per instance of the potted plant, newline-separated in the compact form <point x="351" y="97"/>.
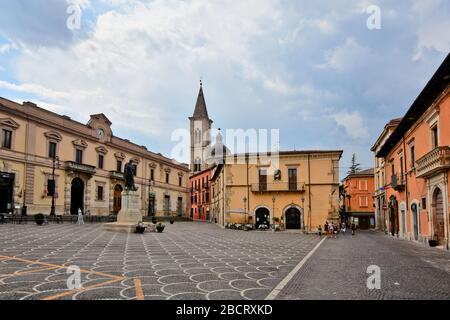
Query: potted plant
<point x="433" y="242"/>
<point x="172" y="220"/>
<point x="160" y="227"/>
<point x="140" y="228"/>
<point x="154" y="221"/>
<point x="40" y="219"/>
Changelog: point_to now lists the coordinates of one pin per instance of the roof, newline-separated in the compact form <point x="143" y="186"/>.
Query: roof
<point x="285" y="153"/>
<point x="433" y="89"/>
<point x="362" y="173"/>
<point x="391" y="124"/>
<point x="200" y="107"/>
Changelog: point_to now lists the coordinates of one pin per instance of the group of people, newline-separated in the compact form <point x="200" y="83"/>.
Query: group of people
<point x="333" y="229"/>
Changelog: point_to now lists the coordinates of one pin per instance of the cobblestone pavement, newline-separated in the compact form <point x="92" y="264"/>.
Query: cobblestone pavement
<point x="338" y="270"/>
<point x="190" y="261"/>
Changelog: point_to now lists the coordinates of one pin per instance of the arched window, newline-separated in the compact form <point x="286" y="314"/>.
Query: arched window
<point x="197" y="165"/>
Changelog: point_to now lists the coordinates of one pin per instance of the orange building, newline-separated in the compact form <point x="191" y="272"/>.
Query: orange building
<point x="200" y="195"/>
<point x="417" y="165"/>
<point x="359" y="189"/>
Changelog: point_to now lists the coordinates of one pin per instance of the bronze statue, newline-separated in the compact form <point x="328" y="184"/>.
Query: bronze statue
<point x="129" y="173"/>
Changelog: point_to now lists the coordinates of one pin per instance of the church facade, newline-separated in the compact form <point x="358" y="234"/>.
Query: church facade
<point x="86" y="163"/>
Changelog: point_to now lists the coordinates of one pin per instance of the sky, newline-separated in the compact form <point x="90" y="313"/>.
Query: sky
<point x="312" y="69"/>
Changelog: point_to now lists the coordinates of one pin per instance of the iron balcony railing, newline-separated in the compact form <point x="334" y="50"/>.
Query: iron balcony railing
<point x="116" y="175"/>
<point x="435" y="161"/>
<point x="279" y="187"/>
<point x="398" y="182"/>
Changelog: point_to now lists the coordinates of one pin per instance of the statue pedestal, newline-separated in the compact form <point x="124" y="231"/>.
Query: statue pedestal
<point x="130" y="214"/>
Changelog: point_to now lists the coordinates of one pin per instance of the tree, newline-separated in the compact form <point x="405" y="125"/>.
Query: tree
<point x="355" y="167"/>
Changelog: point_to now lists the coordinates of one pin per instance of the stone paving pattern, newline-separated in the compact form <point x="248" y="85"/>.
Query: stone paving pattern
<point x="337" y="270"/>
<point x="189" y="261"/>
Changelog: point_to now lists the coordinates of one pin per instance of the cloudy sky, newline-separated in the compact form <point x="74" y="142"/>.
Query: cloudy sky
<point x="312" y="69"/>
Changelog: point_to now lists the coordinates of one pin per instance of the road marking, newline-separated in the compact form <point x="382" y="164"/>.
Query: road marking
<point x="275" y="292"/>
<point x="139" y="291"/>
<point x="64" y="294"/>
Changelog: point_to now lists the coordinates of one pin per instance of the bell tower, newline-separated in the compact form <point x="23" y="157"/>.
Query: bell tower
<point x="200" y="131"/>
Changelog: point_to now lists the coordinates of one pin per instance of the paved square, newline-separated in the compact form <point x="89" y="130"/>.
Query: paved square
<point x="189" y="261"/>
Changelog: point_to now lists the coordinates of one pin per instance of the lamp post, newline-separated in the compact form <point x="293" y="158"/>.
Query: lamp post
<point x="53" y="191"/>
<point x="245" y="209"/>
<point x="273" y="211"/>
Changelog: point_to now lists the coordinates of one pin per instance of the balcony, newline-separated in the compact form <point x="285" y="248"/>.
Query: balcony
<point x="435" y="161"/>
<point x="398" y="183"/>
<point x="116" y="175"/>
<point x="79" y="167"/>
<point x="279" y="187"/>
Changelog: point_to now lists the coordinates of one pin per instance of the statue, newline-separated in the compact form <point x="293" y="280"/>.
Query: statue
<point x="129" y="176"/>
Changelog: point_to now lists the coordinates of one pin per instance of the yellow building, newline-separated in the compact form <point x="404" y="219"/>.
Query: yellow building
<point x="89" y="162"/>
<point x="297" y="188"/>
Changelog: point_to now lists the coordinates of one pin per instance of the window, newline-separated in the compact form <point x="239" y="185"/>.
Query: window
<point x="424" y="203"/>
<point x="152" y="174"/>
<point x="292" y="173"/>
<point x="362" y="184"/>
<point x="413" y="155"/>
<point x="400" y="175"/>
<point x="51" y="187"/>
<point x="135" y="169"/>
<point x="434" y="137"/>
<point x="99" y="193"/>
<point x="167" y="177"/>
<point x="363" y="201"/>
<point x="7" y="139"/>
<point x="52" y="150"/>
<point x="263" y="180"/>
<point x="79" y="156"/>
<point x="119" y="166"/>
<point x="180" y="181"/>
<point x="101" y="159"/>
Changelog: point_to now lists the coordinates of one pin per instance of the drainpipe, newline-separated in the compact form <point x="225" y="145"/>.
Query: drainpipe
<point x="406" y="184"/>
<point x="309" y="194"/>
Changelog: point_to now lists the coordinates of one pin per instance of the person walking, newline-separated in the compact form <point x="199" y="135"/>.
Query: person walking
<point x="353" y="229"/>
<point x="319" y="229"/>
<point x="80" y="217"/>
<point x="326" y="228"/>
<point x="343" y="228"/>
<point x="331" y="230"/>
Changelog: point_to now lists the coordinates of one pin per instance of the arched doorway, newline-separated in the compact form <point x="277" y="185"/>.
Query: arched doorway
<point x="403" y="219"/>
<point x="438" y="221"/>
<point x="117" y="201"/>
<point x="393" y="216"/>
<point x="262" y="217"/>
<point x="293" y="218"/>
<point x="76" y="196"/>
<point x="415" y="218"/>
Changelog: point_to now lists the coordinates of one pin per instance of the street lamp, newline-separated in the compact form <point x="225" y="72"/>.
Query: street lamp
<point x="245" y="208"/>
<point x="273" y="211"/>
<point x="53" y="185"/>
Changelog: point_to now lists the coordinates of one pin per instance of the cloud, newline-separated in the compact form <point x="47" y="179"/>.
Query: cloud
<point x="353" y="123"/>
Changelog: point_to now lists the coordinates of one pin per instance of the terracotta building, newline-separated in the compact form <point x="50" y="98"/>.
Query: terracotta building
<point x="200" y="189"/>
<point x="417" y="165"/>
<point x="359" y="205"/>
<point x="381" y="216"/>
<point x="88" y="162"/>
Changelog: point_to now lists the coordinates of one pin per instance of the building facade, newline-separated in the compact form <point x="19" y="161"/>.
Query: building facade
<point x="88" y="162"/>
<point x="417" y="164"/>
<point x="298" y="191"/>
<point x="381" y="216"/>
<point x="358" y="190"/>
<point x="200" y="188"/>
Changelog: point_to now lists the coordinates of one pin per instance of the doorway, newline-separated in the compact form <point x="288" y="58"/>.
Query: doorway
<point x="6" y="192"/>
<point x="262" y="218"/>
<point x="76" y="196"/>
<point x="117" y="202"/>
<point x="293" y="218"/>
<point x="438" y="221"/>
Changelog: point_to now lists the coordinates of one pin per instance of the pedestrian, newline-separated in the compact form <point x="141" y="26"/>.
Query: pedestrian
<point x="80" y="217"/>
<point x="326" y="228"/>
<point x="335" y="230"/>
<point x="344" y="228"/>
<point x="353" y="229"/>
<point x="331" y="230"/>
<point x="320" y="230"/>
